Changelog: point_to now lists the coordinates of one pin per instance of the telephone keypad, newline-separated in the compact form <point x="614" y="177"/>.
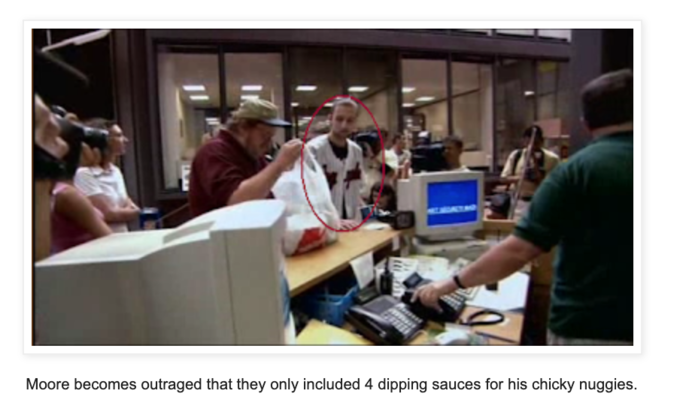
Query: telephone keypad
<point x="403" y="319"/>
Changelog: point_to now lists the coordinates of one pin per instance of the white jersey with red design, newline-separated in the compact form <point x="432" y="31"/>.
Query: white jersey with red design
<point x="344" y="176"/>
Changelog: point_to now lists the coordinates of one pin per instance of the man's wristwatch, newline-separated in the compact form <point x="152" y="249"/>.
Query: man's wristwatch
<point x="456" y="280"/>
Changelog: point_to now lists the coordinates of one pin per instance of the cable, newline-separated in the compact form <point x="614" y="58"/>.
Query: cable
<point x="497" y="318"/>
<point x="174" y="212"/>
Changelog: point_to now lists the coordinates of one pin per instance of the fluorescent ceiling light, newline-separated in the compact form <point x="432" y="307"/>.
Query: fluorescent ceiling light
<point x="79" y="40"/>
<point x="409" y="104"/>
<point x="408" y="89"/>
<point x="306" y="118"/>
<point x="529" y="93"/>
<point x="425" y="99"/>
<point x="358" y="89"/>
<point x="328" y="105"/>
<point x="193" y="87"/>
<point x="251" y="87"/>
<point x="214" y="122"/>
<point x="212" y="119"/>
<point x="200" y="97"/>
<point x="306" y="88"/>
<point x="295" y="104"/>
<point x="250" y="97"/>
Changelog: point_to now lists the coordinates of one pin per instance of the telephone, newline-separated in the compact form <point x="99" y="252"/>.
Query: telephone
<point x="385" y="321"/>
<point x="451" y="305"/>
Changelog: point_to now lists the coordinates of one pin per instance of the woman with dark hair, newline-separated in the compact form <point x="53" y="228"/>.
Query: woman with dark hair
<point x="388" y="197"/>
<point x="104" y="184"/>
<point x="75" y="220"/>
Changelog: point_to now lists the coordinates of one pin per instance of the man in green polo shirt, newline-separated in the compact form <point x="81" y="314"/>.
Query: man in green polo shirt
<point x="585" y="208"/>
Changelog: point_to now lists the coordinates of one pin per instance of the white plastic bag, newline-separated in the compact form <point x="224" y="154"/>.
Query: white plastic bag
<point x="304" y="231"/>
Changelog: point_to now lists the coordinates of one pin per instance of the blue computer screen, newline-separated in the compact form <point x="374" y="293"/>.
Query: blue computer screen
<point x="452" y="203"/>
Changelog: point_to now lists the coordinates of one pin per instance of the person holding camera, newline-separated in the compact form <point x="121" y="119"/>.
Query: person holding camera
<point x="75" y="220"/>
<point x="541" y="162"/>
<point x="49" y="149"/>
<point x="104" y="184"/>
<point x="342" y="160"/>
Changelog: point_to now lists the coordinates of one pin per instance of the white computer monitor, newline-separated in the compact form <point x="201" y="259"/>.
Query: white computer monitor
<point x="448" y="205"/>
<point x="217" y="280"/>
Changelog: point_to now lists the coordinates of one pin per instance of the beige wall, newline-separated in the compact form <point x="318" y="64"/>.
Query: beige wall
<point x="170" y="113"/>
<point x="484" y="130"/>
<point x="435" y="119"/>
<point x="379" y="106"/>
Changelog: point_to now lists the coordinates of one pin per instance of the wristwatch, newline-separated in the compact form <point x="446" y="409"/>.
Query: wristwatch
<point x="456" y="279"/>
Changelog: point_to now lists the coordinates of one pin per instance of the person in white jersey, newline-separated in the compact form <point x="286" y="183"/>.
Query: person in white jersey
<point x="342" y="160"/>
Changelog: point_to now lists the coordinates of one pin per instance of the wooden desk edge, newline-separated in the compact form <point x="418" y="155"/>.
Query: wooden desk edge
<point x="294" y="291"/>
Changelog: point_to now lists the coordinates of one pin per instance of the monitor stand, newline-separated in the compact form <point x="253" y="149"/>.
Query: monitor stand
<point x="469" y="248"/>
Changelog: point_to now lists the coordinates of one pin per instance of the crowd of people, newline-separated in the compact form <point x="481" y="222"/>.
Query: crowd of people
<point x="232" y="169"/>
<point x="84" y="196"/>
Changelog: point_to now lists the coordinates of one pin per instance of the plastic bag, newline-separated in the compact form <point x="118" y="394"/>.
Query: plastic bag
<point x="304" y="231"/>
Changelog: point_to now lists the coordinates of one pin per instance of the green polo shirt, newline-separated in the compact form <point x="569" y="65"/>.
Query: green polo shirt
<point x="585" y="207"/>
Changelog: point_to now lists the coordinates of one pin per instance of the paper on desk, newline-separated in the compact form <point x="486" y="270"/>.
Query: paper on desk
<point x="511" y="294"/>
<point x="375" y="226"/>
<point x="363" y="269"/>
<point x="433" y="268"/>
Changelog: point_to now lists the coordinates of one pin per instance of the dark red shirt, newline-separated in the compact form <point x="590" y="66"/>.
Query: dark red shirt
<point x="219" y="167"/>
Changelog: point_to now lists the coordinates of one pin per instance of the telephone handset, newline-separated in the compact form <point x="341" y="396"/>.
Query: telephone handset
<point x="385" y="320"/>
<point x="451" y="305"/>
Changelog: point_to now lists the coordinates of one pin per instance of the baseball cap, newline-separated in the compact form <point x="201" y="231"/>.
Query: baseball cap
<point x="261" y="110"/>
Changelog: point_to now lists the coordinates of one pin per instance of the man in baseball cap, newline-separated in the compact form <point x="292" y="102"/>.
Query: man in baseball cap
<point x="231" y="168"/>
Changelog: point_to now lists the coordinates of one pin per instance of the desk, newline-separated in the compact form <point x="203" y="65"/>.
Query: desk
<point x="307" y="270"/>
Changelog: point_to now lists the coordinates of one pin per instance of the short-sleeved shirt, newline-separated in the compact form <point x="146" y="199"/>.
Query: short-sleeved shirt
<point x="585" y="207"/>
<point x="66" y="233"/>
<point x="105" y="182"/>
<point x="220" y="166"/>
<point x="551" y="160"/>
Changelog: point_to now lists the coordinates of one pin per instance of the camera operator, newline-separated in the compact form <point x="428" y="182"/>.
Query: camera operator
<point x="541" y="163"/>
<point x="48" y="150"/>
<point x="75" y="220"/>
<point x="104" y="184"/>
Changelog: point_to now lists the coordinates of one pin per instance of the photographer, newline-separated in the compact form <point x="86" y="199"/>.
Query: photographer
<point x="541" y="163"/>
<point x="48" y="150"/>
<point x="75" y="220"/>
<point x="104" y="185"/>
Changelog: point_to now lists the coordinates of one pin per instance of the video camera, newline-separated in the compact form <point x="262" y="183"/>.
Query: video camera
<point x="428" y="158"/>
<point x="368" y="140"/>
<point x="76" y="133"/>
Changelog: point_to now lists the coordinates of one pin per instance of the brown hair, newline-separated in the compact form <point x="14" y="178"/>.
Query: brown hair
<point x="608" y="100"/>
<point x="455" y="140"/>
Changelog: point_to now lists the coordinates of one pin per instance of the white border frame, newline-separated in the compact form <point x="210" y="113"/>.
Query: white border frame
<point x="28" y="186"/>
